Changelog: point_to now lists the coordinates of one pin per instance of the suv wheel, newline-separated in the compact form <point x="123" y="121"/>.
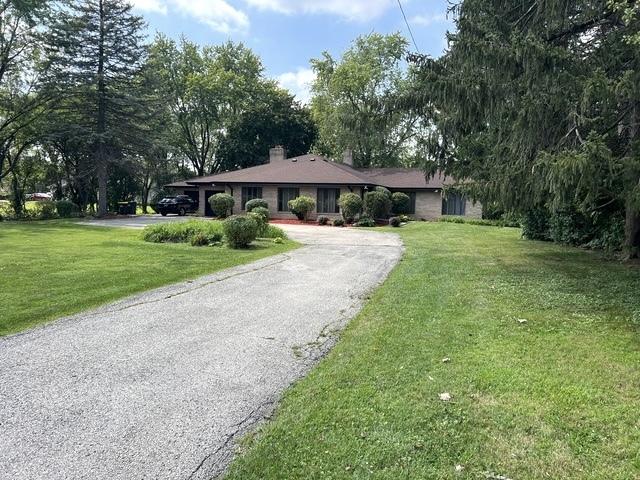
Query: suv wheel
<point x="182" y="212"/>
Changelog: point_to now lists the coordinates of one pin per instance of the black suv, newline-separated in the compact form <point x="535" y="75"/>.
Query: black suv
<point x="180" y="204"/>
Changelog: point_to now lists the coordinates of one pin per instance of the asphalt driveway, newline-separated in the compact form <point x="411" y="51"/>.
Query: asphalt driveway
<point x="162" y="384"/>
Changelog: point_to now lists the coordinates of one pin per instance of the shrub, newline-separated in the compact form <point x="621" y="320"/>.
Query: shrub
<point x="302" y="206"/>
<point x="278" y="240"/>
<point x="394" y="221"/>
<point x="384" y="190"/>
<point x="377" y="204"/>
<point x="183" y="232"/>
<point x="240" y="230"/>
<point x="350" y="206"/>
<point x="365" y="221"/>
<point x="535" y="224"/>
<point x="221" y="204"/>
<point x="322" y="220"/>
<point x="199" y="240"/>
<point x="6" y="210"/>
<point x="262" y="211"/>
<point x="45" y="210"/>
<point x="66" y="208"/>
<point x="255" y="203"/>
<point x="338" y="222"/>
<point x="473" y="221"/>
<point x="404" y="218"/>
<point x="273" y="232"/>
<point x="400" y="202"/>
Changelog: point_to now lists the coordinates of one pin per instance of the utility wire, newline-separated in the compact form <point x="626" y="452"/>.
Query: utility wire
<point x="408" y="26"/>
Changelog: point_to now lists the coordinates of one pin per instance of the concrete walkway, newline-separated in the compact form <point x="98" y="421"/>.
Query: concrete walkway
<point x="162" y="384"/>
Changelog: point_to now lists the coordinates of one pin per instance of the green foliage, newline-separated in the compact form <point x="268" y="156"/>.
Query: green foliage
<point x="254" y="203"/>
<point x="400" y="203"/>
<point x="535" y="224"/>
<point x="199" y="240"/>
<point x="302" y="206"/>
<point x="476" y="221"/>
<point x="350" y="206"/>
<point x="338" y="222"/>
<point x="66" y="208"/>
<point x="261" y="216"/>
<point x="322" y="220"/>
<point x="183" y="232"/>
<point x="365" y="221"/>
<point x="377" y="204"/>
<point x="273" y="231"/>
<point x="404" y="218"/>
<point x="355" y="101"/>
<point x="394" y="222"/>
<point x="221" y="204"/>
<point x="44" y="210"/>
<point x="240" y="230"/>
<point x="278" y="240"/>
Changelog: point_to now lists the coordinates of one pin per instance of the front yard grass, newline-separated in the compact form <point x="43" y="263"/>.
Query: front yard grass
<point x="56" y="268"/>
<point x="544" y="370"/>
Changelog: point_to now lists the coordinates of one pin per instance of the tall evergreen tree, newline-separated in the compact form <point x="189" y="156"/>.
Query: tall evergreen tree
<point x="97" y="49"/>
<point x="538" y="104"/>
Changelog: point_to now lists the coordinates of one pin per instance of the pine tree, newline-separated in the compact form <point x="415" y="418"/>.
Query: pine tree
<point x="96" y="49"/>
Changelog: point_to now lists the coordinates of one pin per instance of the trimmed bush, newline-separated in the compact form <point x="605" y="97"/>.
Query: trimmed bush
<point x="45" y="210"/>
<point x="273" y="232"/>
<point x="400" y="203"/>
<point x="261" y="216"/>
<point x="221" y="204"/>
<point x="350" y="206"/>
<point x="377" y="204"/>
<point x="338" y="222"/>
<point x="535" y="224"/>
<point x="394" y="222"/>
<point x="322" y="220"/>
<point x="302" y="206"/>
<point x="183" y="232"/>
<point x="240" y="230"/>
<point x="384" y="190"/>
<point x="66" y="208"/>
<point x="255" y="203"/>
<point x="365" y="221"/>
<point x="262" y="211"/>
<point x="199" y="240"/>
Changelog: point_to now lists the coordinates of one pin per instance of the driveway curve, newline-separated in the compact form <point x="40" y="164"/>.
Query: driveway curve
<point x="162" y="384"/>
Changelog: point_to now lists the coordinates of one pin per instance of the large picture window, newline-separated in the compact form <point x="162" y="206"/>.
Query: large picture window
<point x="454" y="204"/>
<point x="249" y="193"/>
<point x="284" y="195"/>
<point x="328" y="200"/>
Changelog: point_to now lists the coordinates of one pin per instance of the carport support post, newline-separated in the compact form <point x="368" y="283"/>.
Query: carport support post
<point x="202" y="200"/>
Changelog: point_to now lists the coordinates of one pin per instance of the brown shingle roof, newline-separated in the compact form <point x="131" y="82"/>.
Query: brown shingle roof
<point x="318" y="170"/>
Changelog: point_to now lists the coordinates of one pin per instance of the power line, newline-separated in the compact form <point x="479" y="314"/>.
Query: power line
<point x="408" y="26"/>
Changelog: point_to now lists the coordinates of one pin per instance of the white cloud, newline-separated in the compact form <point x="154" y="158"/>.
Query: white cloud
<point x="156" y="6"/>
<point x="361" y="10"/>
<point x="298" y="83"/>
<point x="428" y="19"/>
<point x="217" y="14"/>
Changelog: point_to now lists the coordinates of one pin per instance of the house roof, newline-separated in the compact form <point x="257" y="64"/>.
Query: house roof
<point x="316" y="169"/>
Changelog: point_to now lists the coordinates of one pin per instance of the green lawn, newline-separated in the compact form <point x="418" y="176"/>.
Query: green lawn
<point x="554" y="397"/>
<point x="55" y="268"/>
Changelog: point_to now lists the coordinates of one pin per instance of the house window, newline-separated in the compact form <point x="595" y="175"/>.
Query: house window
<point x="453" y="204"/>
<point x="249" y="193"/>
<point x="284" y="195"/>
<point x="328" y="200"/>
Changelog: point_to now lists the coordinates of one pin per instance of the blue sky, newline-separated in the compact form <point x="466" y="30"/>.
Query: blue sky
<point x="287" y="33"/>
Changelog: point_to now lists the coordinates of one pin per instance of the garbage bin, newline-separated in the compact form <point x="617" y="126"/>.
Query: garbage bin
<point x="133" y="208"/>
<point x="127" y="208"/>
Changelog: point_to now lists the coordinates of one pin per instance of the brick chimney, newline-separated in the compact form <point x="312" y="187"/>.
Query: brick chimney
<point x="277" y="153"/>
<point x="347" y="157"/>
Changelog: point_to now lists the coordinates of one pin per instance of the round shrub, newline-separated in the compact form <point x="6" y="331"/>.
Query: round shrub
<point x="255" y="203"/>
<point x="394" y="222"/>
<point x="66" y="208"/>
<point x="262" y="211"/>
<point x="45" y="210"/>
<point x="400" y="203"/>
<point x="322" y="220"/>
<point x="377" y="204"/>
<point x="384" y="190"/>
<point x="221" y="204"/>
<point x="350" y="206"/>
<point x="261" y="220"/>
<point x="302" y="206"/>
<point x="365" y="221"/>
<point x="338" y="222"/>
<point x="240" y="230"/>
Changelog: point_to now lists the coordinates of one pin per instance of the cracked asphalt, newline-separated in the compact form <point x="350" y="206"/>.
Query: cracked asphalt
<point x="161" y="385"/>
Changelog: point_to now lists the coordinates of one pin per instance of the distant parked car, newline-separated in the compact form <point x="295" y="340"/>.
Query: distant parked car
<point x="180" y="204"/>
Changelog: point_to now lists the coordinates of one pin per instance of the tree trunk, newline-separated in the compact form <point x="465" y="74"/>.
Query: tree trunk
<point x="101" y="157"/>
<point x="17" y="198"/>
